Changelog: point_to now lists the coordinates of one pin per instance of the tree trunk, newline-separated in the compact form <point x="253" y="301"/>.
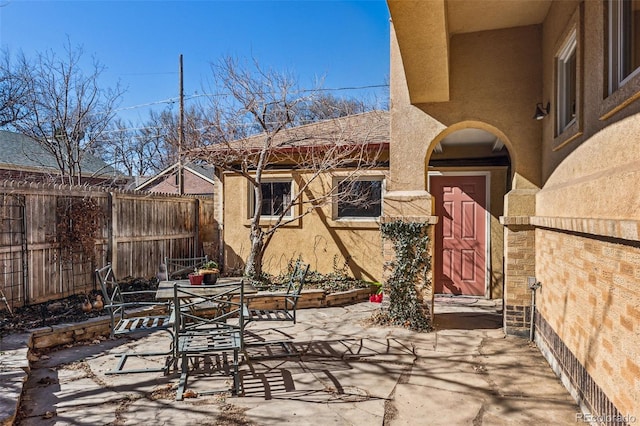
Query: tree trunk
<point x="253" y="268"/>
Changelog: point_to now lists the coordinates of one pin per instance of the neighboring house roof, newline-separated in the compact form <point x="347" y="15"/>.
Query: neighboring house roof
<point x="370" y="128"/>
<point x="205" y="172"/>
<point x="20" y="152"/>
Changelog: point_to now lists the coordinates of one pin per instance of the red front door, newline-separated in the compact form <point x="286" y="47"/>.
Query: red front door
<point x="460" y="234"/>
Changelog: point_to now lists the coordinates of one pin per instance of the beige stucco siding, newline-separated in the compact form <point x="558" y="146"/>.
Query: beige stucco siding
<point x="599" y="179"/>
<point x="495" y="85"/>
<point x="611" y="148"/>
<point x="411" y="127"/>
<point x="590" y="175"/>
<point x="426" y="53"/>
<point x="317" y="237"/>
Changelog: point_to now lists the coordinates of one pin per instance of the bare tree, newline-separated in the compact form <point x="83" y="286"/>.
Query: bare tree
<point x="251" y="128"/>
<point x="154" y="146"/>
<point x="137" y="151"/>
<point x="13" y="91"/>
<point x="126" y="148"/>
<point x="325" y="106"/>
<point x="194" y="123"/>
<point x="67" y="112"/>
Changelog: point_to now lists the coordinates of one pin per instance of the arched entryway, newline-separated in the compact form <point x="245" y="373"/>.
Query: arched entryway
<point x="469" y="172"/>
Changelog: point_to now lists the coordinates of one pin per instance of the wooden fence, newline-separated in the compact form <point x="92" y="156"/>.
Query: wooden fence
<point x="137" y="231"/>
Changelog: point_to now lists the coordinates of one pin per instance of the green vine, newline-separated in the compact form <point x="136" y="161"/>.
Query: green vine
<point x="410" y="267"/>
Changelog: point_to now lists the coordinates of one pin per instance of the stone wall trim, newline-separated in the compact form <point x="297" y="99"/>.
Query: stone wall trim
<point x="612" y="228"/>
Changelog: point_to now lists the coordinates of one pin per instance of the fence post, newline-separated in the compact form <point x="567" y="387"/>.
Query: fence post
<point x="112" y="254"/>
<point x="197" y="246"/>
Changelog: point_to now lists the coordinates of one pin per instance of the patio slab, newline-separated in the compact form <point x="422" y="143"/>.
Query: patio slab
<point x="345" y="372"/>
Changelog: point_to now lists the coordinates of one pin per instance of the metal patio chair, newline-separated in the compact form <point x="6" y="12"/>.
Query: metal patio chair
<point x="181" y="267"/>
<point x="286" y="303"/>
<point x="205" y="343"/>
<point x="127" y="318"/>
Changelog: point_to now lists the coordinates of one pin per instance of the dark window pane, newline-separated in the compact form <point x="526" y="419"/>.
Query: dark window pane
<point x="275" y="196"/>
<point x="624" y="40"/>
<point x="361" y="198"/>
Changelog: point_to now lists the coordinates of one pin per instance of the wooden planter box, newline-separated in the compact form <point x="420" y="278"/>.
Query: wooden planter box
<point x="63" y="334"/>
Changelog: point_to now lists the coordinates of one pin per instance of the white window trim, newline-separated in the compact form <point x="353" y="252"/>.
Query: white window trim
<point x="252" y="198"/>
<point x="568" y="50"/>
<point x="615" y="45"/>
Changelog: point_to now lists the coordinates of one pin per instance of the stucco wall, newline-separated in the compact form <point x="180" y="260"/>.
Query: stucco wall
<point x="599" y="179"/>
<point x="591" y="175"/>
<point x="495" y="85"/>
<point x="316" y="237"/>
<point x="597" y="109"/>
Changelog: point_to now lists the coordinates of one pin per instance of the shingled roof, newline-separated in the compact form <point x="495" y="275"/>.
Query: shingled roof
<point x="20" y="152"/>
<point x="205" y="172"/>
<point x="369" y="128"/>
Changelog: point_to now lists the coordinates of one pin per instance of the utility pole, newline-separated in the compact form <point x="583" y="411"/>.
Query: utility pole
<point x="181" y="133"/>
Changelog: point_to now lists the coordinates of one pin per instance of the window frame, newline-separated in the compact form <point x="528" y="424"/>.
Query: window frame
<point x="286" y="180"/>
<point x="627" y="91"/>
<point x="571" y="128"/>
<point x="616" y="43"/>
<point x="364" y="178"/>
<point x="566" y="83"/>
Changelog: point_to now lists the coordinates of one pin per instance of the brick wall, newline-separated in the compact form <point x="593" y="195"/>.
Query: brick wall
<point x="590" y="299"/>
<point x="194" y="184"/>
<point x="519" y="244"/>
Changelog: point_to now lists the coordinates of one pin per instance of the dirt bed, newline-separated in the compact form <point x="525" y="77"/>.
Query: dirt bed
<point x="61" y="311"/>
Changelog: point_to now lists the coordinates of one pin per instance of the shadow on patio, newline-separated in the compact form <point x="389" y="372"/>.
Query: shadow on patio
<point x="332" y="367"/>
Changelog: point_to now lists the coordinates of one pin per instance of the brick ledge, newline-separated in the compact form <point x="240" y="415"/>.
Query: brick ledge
<point x="614" y="228"/>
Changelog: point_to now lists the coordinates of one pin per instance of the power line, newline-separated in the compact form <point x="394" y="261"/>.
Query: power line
<point x="175" y="99"/>
<point x="197" y="129"/>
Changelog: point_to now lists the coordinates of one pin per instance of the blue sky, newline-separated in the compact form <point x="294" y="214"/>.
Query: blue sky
<point x="344" y="42"/>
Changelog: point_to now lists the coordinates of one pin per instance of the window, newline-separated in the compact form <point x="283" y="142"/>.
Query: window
<point x="360" y="198"/>
<point x="275" y="197"/>
<point x="566" y="71"/>
<point x="624" y="41"/>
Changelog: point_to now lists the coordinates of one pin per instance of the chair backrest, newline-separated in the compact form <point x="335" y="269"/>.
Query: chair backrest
<point x="109" y="286"/>
<point x="192" y="304"/>
<point x="300" y="270"/>
<point x="181" y="267"/>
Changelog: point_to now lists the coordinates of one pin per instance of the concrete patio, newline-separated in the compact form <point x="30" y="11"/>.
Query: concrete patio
<point x="345" y="372"/>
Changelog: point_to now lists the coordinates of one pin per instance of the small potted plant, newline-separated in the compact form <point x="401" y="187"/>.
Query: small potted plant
<point x="376" y="293"/>
<point x="209" y="270"/>
<point x="195" y="278"/>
